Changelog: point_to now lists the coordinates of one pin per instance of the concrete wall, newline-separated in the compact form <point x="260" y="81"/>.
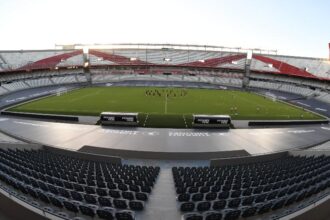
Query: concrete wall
<point x="20" y="146"/>
<point x="11" y="210"/>
<point x="85" y="156"/>
<point x="309" y="153"/>
<point x="247" y="160"/>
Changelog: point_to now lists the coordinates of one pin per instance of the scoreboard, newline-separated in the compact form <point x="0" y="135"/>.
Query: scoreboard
<point x="211" y="121"/>
<point x="119" y="118"/>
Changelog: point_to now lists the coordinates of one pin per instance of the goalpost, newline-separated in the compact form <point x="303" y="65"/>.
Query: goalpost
<point x="61" y="91"/>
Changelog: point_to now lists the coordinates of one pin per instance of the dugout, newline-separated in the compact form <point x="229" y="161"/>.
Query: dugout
<point x="119" y="118"/>
<point x="211" y="121"/>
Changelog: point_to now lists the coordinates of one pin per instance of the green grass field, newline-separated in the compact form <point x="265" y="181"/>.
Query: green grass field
<point x="167" y="107"/>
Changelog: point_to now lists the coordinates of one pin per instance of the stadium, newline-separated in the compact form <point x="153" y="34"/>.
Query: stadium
<point x="148" y="131"/>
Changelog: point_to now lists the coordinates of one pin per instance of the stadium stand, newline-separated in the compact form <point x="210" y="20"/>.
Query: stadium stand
<point x="75" y="185"/>
<point x="294" y="66"/>
<point x="72" y="187"/>
<point x="290" y="88"/>
<point x="64" y="79"/>
<point x="117" y="59"/>
<point x="71" y="61"/>
<point x="81" y="78"/>
<point x="50" y="62"/>
<point x="216" y="61"/>
<point x="3" y="90"/>
<point x="15" y="86"/>
<point x="34" y="59"/>
<point x="315" y="66"/>
<point x="324" y="96"/>
<point x="249" y="189"/>
<point x="283" y="67"/>
<point x="38" y="82"/>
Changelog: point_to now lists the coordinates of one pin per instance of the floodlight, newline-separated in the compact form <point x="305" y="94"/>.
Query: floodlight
<point x="85" y="50"/>
<point x="249" y="55"/>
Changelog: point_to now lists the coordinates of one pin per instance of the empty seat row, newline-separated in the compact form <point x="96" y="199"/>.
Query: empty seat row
<point x="217" y="189"/>
<point x="88" y="187"/>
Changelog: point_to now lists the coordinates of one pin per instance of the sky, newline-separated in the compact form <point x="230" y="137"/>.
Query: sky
<point x="293" y="27"/>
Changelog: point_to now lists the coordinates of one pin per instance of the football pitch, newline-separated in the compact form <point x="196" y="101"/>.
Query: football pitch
<point x="166" y="107"/>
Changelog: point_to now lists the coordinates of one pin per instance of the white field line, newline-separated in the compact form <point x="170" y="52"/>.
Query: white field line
<point x="145" y="121"/>
<point x="185" y="122"/>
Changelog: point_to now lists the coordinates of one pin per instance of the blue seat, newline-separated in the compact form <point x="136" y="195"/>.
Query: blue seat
<point x="71" y="206"/>
<point x="136" y="205"/>
<point x="107" y="214"/>
<point x="104" y="201"/>
<point x="125" y="215"/>
<point x="86" y="210"/>
<point x="187" y="206"/>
